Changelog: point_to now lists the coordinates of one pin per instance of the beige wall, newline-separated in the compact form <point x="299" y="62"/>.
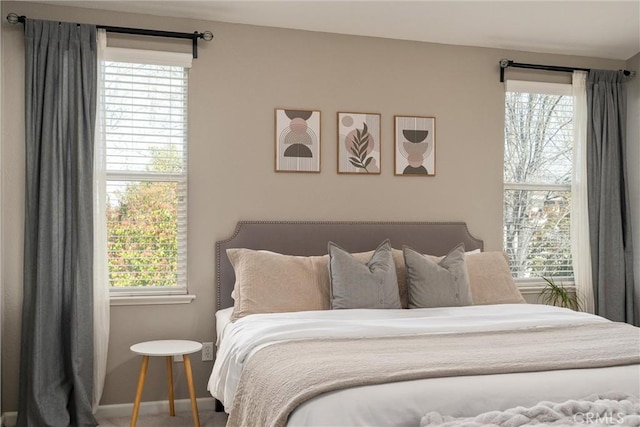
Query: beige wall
<point x="633" y="167"/>
<point x="235" y="84"/>
<point x="1" y="234"/>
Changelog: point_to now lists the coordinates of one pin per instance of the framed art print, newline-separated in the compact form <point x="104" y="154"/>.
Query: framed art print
<point x="359" y="143"/>
<point x="415" y="146"/>
<point x="297" y="140"/>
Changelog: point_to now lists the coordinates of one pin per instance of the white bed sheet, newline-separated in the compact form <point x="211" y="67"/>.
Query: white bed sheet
<point x="223" y="318"/>
<point x="405" y="402"/>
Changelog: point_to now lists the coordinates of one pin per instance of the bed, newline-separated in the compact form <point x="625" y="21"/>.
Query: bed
<point x="275" y="368"/>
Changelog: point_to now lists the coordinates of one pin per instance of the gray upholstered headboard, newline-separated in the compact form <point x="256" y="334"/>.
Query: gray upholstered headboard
<point x="311" y="238"/>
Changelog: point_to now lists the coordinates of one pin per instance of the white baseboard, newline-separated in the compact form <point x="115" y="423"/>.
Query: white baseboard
<point x="153" y="408"/>
<point x="125" y="409"/>
<point x="9" y="419"/>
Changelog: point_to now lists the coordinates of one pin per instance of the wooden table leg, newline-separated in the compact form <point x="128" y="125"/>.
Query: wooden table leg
<point x="192" y="393"/>
<point x="172" y="409"/>
<point x="141" y="378"/>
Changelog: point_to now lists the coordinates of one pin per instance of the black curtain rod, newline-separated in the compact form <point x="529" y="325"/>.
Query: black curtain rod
<point x="507" y="63"/>
<point x="13" y="18"/>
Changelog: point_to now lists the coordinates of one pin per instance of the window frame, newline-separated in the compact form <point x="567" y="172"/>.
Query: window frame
<point x="144" y="295"/>
<point x="558" y="89"/>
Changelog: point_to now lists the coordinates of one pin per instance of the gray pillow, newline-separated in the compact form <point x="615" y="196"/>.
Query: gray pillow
<point x="355" y="284"/>
<point x="437" y="283"/>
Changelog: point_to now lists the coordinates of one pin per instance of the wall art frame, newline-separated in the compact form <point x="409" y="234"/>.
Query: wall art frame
<point x="414" y="146"/>
<point x="359" y="143"/>
<point x="297" y="140"/>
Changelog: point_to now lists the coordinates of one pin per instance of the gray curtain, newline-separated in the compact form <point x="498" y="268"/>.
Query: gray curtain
<point x="56" y="360"/>
<point x="609" y="214"/>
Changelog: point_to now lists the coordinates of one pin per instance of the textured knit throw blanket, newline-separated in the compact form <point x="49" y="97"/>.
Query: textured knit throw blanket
<point x="279" y="377"/>
<point x="611" y="409"/>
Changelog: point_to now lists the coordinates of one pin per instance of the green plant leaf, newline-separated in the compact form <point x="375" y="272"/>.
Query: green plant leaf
<point x="558" y="295"/>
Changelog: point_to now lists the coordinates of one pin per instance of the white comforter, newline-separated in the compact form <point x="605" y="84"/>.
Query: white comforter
<point x="240" y="339"/>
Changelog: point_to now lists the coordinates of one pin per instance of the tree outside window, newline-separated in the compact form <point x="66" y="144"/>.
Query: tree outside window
<point x="144" y="110"/>
<point x="537" y="183"/>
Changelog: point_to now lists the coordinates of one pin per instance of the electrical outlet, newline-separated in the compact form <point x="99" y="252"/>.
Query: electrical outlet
<point x="178" y="358"/>
<point x="207" y="351"/>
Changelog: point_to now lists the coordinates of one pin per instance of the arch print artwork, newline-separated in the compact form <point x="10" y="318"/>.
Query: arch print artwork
<point x="359" y="143"/>
<point x="415" y="146"/>
<point x="297" y="140"/>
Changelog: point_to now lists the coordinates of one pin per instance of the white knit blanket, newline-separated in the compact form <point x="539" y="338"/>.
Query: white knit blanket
<point x="611" y="409"/>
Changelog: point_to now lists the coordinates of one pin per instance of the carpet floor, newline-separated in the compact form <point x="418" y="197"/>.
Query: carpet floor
<point x="208" y="418"/>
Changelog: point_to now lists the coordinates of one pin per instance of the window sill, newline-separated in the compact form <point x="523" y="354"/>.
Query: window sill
<point x="534" y="288"/>
<point x="151" y="299"/>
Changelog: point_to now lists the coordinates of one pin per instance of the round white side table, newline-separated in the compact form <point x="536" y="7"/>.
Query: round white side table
<point x="168" y="349"/>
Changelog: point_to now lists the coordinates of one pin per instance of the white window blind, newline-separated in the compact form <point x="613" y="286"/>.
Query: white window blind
<point x="537" y="179"/>
<point x="144" y="113"/>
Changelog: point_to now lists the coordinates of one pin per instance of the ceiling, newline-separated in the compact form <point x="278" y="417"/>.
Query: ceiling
<point x="600" y="28"/>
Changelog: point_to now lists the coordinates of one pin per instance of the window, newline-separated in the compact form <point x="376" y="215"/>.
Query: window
<point x="537" y="179"/>
<point x="143" y="113"/>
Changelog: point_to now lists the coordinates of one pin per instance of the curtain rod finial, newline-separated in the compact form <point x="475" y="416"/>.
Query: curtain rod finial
<point x="207" y="36"/>
<point x="504" y="63"/>
<point x="13" y="18"/>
